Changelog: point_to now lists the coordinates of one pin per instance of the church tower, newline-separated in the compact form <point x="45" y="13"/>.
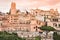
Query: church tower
<point x="13" y="8"/>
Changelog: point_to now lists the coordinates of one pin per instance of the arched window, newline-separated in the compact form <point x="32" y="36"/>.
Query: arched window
<point x="54" y="24"/>
<point x="55" y="20"/>
<point x="59" y="25"/>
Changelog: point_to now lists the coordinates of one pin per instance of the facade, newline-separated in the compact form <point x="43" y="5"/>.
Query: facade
<point x="19" y="21"/>
<point x="50" y="17"/>
<point x="54" y="22"/>
<point x="16" y="20"/>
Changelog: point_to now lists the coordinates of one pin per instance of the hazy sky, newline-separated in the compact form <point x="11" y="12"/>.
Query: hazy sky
<point x="24" y="4"/>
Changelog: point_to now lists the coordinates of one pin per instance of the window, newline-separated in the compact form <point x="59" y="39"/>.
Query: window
<point x="28" y="22"/>
<point x="36" y="12"/>
<point x="56" y="20"/>
<point x="34" y="27"/>
<point x="59" y="25"/>
<point x="15" y="19"/>
<point x="1" y="24"/>
<point x="54" y="24"/>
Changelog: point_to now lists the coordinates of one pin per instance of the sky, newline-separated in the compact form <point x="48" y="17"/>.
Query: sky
<point x="29" y="4"/>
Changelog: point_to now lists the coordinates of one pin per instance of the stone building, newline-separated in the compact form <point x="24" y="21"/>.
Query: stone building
<point x="50" y="17"/>
<point x="16" y="20"/>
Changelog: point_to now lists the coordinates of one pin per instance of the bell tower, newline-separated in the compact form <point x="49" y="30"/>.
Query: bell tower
<point x="13" y="8"/>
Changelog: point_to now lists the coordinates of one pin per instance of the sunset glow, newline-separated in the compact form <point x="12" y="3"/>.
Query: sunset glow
<point x="24" y="4"/>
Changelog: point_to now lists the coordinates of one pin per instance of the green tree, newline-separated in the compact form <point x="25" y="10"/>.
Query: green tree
<point x="47" y="29"/>
<point x="37" y="38"/>
<point x="56" y="36"/>
<point x="7" y="36"/>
